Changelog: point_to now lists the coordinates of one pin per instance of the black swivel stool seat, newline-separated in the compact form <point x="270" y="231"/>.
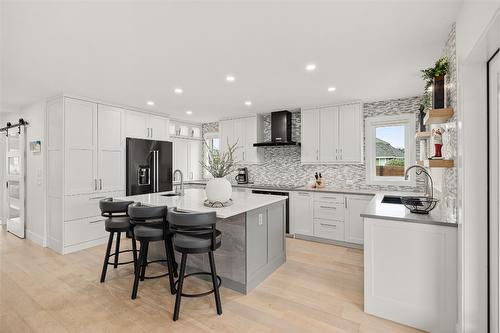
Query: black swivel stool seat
<point x="151" y="226"/>
<point x="117" y="222"/>
<point x="195" y="233"/>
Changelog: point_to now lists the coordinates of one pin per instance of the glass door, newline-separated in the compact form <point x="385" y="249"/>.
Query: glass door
<point x="14" y="182"/>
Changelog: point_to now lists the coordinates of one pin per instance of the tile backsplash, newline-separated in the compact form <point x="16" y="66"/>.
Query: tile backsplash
<point x="282" y="165"/>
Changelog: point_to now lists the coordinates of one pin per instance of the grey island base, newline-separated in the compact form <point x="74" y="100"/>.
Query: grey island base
<point x="253" y="236"/>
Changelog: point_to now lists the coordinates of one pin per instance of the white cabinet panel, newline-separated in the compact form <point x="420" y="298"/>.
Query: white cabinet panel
<point x="85" y="230"/>
<point x="328" y="137"/>
<point x="353" y="221"/>
<point x="226" y="130"/>
<point x="329" y="211"/>
<point x="245" y="131"/>
<point x="181" y="156"/>
<point x="80" y="146"/>
<point x="310" y="136"/>
<point x="110" y="173"/>
<point x="303" y="213"/>
<point x="329" y="229"/>
<point x="350" y="140"/>
<point x="136" y="125"/>
<point x="158" y="127"/>
<point x="194" y="160"/>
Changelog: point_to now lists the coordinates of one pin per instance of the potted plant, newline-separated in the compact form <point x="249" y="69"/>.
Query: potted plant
<point x="434" y="78"/>
<point x="219" y="165"/>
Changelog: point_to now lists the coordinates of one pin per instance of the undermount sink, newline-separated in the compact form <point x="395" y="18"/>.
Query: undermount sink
<point x="392" y="199"/>
<point x="170" y="195"/>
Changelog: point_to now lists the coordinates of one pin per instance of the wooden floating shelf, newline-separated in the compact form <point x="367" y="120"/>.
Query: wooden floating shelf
<point x="422" y="135"/>
<point x="437" y="163"/>
<point x="438" y="116"/>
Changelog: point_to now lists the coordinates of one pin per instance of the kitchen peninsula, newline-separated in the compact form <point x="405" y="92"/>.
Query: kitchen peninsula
<point x="253" y="234"/>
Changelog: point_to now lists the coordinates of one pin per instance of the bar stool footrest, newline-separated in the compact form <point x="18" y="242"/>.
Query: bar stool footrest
<point x="120" y="263"/>
<point x="155" y="276"/>
<point x="200" y="294"/>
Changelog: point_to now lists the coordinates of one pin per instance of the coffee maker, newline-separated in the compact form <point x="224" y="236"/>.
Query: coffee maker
<point x="242" y="176"/>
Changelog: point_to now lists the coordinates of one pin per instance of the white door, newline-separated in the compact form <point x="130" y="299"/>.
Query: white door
<point x="355" y="205"/>
<point x="303" y="213"/>
<point x="137" y="125"/>
<point x="226" y="130"/>
<point x="310" y="136"/>
<point x="181" y="156"/>
<point x="80" y="147"/>
<point x="15" y="170"/>
<point x="158" y="127"/>
<point x="194" y="160"/>
<point x="110" y="149"/>
<point x="328" y="134"/>
<point x="350" y="133"/>
<point x="250" y="153"/>
<point x="494" y="187"/>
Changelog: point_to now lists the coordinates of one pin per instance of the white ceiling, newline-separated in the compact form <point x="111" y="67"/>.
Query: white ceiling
<point x="131" y="53"/>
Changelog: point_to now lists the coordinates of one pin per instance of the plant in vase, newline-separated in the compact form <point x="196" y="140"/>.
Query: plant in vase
<point x="219" y="165"/>
<point x="434" y="77"/>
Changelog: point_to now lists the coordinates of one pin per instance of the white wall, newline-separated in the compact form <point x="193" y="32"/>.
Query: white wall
<point x="35" y="170"/>
<point x="473" y="50"/>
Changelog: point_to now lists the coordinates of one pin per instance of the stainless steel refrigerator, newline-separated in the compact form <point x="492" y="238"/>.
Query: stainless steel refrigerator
<point x="149" y="166"/>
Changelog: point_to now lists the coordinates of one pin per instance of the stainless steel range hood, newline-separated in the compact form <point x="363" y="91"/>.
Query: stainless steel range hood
<point x="281" y="130"/>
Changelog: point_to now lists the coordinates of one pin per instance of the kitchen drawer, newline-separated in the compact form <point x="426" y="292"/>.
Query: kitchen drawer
<point x="84" y="230"/>
<point x="329" y="210"/>
<point x="85" y="205"/>
<point x="329" y="197"/>
<point x="329" y="229"/>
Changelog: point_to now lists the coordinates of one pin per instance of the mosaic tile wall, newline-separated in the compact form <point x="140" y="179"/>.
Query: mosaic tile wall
<point x="282" y="164"/>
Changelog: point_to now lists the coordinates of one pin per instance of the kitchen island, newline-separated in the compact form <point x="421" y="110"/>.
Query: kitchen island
<point x="253" y="235"/>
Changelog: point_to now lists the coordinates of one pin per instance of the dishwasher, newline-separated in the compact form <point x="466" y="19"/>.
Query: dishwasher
<point x="285" y="194"/>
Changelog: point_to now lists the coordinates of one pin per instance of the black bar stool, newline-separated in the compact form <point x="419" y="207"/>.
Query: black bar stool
<point x="117" y="222"/>
<point x="151" y="226"/>
<point x="195" y="233"/>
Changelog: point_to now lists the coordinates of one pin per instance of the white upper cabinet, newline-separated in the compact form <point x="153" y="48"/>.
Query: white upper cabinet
<point x="187" y="155"/>
<point x="80" y="146"/>
<point x="145" y="126"/>
<point x="136" y="125"/>
<point x="350" y="140"/>
<point x="310" y="136"/>
<point x="332" y="134"/>
<point x="245" y="131"/>
<point x="329" y="123"/>
<point x="110" y="148"/>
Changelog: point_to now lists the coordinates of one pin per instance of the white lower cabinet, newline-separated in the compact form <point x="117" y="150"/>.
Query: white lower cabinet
<point x="328" y="216"/>
<point x="302" y="213"/>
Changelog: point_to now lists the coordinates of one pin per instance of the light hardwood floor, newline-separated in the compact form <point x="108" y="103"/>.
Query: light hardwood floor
<point x="319" y="289"/>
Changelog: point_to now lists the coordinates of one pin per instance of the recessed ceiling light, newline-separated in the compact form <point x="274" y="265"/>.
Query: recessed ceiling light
<point x="189" y="112"/>
<point x="150" y="103"/>
<point x="178" y="90"/>
<point x="248" y="103"/>
<point x="230" y="78"/>
<point x="310" y="67"/>
<point x="331" y="89"/>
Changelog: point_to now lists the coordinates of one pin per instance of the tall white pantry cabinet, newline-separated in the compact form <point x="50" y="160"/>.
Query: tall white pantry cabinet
<point x="85" y="163"/>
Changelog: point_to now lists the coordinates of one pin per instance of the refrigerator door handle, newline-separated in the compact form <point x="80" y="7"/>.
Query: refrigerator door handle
<point x="154" y="171"/>
<point x="157" y="171"/>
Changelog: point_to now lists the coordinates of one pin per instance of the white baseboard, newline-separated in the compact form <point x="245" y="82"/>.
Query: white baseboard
<point x="35" y="238"/>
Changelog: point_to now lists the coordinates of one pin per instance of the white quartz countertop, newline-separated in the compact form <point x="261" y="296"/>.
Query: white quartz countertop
<point x="192" y="201"/>
<point x="378" y="210"/>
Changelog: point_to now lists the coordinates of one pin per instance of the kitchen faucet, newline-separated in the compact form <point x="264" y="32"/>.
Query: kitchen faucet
<point x="181" y="192"/>
<point x="429" y="190"/>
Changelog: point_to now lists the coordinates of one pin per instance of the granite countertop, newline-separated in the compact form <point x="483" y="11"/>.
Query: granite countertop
<point x="378" y="210"/>
<point x="192" y="201"/>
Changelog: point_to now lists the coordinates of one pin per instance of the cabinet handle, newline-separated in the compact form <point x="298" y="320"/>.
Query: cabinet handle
<point x="345" y="202"/>
<point x="97" y="198"/>
<point x="336" y="154"/>
<point x="95" y="184"/>
<point x="317" y="154"/>
<point x="332" y="198"/>
<point x="328" y="225"/>
<point x="341" y="157"/>
<point x="92" y="222"/>
<point x="151" y="131"/>
<point x="243" y="156"/>
<point x="328" y="207"/>
<point x="100" y="184"/>
<point x="303" y="194"/>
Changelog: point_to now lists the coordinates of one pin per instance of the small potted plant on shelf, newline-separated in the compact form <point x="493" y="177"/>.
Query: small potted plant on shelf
<point x="434" y="78"/>
<point x="219" y="165"/>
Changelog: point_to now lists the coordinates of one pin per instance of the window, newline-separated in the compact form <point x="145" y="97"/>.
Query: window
<point x="213" y="141"/>
<point x="390" y="149"/>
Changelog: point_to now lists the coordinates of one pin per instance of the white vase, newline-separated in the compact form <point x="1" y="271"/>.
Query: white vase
<point x="218" y="190"/>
